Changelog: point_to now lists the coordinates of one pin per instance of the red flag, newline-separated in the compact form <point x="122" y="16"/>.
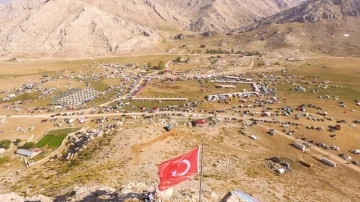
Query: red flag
<point x="179" y="169"/>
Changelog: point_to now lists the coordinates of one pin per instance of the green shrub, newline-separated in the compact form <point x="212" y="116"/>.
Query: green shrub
<point x="5" y="144"/>
<point x="29" y="145"/>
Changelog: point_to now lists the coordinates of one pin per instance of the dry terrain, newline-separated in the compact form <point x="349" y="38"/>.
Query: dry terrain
<point x="132" y="152"/>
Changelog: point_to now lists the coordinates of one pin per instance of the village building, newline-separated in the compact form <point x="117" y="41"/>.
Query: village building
<point x="28" y="153"/>
<point x="225" y="86"/>
<point x="200" y="123"/>
<point x="183" y="59"/>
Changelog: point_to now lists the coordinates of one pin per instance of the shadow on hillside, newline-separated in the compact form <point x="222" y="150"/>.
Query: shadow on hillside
<point x="102" y="196"/>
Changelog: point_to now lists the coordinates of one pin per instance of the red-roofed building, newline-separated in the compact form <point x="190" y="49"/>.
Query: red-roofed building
<point x="200" y="123"/>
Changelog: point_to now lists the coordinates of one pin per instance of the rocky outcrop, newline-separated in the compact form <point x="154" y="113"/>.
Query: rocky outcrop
<point x="313" y="11"/>
<point x="130" y="192"/>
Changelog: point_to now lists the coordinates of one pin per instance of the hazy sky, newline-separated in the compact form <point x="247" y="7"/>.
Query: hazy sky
<point x="5" y="1"/>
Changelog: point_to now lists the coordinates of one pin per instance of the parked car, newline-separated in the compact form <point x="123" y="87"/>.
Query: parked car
<point x="286" y="165"/>
<point x="335" y="148"/>
<point x="356" y="163"/>
<point x="347" y="157"/>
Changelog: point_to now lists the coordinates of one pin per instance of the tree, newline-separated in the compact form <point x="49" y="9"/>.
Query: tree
<point x="161" y="65"/>
<point x="17" y="141"/>
<point x="5" y="144"/>
<point x="150" y="66"/>
<point x="178" y="59"/>
<point x="29" y="145"/>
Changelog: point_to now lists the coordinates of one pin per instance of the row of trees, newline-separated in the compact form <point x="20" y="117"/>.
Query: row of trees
<point x="7" y="143"/>
<point x="161" y="66"/>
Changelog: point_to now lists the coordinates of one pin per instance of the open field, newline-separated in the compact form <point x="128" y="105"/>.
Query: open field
<point x="10" y="132"/>
<point x="342" y="72"/>
<point x="54" y="138"/>
<point x="206" y="62"/>
<point x="191" y="89"/>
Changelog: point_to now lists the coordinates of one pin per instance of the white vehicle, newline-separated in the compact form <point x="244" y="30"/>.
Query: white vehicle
<point x="31" y="128"/>
<point x="335" y="148"/>
<point x="272" y="132"/>
<point x="253" y="137"/>
<point x="347" y="157"/>
<point x="357" y="151"/>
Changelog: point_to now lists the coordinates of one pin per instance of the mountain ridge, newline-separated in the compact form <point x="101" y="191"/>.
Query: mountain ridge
<point x="313" y="11"/>
<point x="81" y="28"/>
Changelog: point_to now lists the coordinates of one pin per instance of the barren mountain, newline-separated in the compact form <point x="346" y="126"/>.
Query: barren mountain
<point x="314" y="11"/>
<point x="316" y="26"/>
<point x="75" y="28"/>
<point x="193" y="15"/>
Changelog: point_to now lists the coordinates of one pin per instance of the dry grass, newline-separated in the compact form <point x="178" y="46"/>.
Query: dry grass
<point x="191" y="89"/>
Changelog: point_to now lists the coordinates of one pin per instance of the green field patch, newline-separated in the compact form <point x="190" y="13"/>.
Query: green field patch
<point x="99" y="85"/>
<point x="54" y="138"/>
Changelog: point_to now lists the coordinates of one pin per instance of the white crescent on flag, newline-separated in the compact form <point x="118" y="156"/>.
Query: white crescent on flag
<point x="188" y="165"/>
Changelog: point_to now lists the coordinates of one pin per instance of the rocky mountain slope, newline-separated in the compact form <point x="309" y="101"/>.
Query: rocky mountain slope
<point x="75" y="29"/>
<point x="316" y="26"/>
<point x="107" y="27"/>
<point x="314" y="11"/>
<point x="193" y="15"/>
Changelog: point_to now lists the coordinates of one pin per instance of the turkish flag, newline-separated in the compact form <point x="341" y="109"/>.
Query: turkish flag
<point x="179" y="169"/>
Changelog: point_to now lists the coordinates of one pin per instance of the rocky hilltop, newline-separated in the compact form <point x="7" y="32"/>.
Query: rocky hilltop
<point x="134" y="192"/>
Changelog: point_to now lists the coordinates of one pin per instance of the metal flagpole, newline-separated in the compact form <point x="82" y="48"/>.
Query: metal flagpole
<point x="201" y="168"/>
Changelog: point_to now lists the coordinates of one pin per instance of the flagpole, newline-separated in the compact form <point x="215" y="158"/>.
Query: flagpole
<point x="201" y="168"/>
